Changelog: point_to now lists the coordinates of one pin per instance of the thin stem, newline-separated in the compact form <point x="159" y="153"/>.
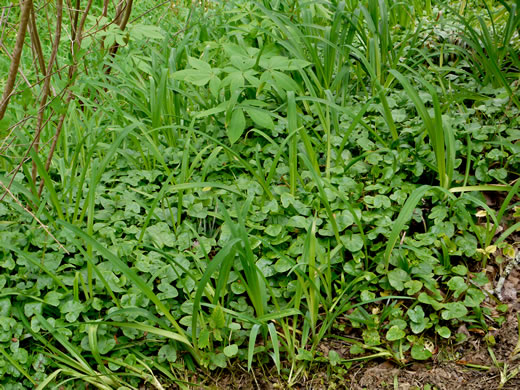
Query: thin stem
<point x="17" y="54"/>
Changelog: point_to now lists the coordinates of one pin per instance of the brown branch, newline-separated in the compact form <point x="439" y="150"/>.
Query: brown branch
<point x="126" y="16"/>
<point x="35" y="39"/>
<point x="122" y="25"/>
<point x="74" y="25"/>
<point x="105" y="8"/>
<point x="2" y="23"/>
<point x="79" y="31"/>
<point x="119" y="11"/>
<point x="17" y="54"/>
<point x="47" y="83"/>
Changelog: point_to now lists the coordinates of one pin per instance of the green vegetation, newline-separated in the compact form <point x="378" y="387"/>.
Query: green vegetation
<point x="241" y="180"/>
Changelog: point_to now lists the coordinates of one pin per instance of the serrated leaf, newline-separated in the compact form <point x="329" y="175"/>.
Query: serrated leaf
<point x="218" y="317"/>
<point x="204" y="338"/>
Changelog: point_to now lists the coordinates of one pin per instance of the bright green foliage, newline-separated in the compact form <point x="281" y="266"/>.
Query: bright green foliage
<point x="253" y="177"/>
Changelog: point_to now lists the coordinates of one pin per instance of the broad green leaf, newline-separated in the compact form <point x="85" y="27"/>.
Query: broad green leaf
<point x="204" y="338"/>
<point x="458" y="285"/>
<point x="353" y="242"/>
<point x="454" y="310"/>
<point x="474" y="297"/>
<point x="231" y="350"/>
<point x="460" y="270"/>
<point x="413" y="286"/>
<point x="167" y="352"/>
<point x="371" y="337"/>
<point x="443" y="331"/>
<point x="425" y="298"/>
<point x="193" y="76"/>
<point x="260" y="117"/>
<point x="419" y="352"/>
<point x="397" y="277"/>
<point x="416" y="314"/>
<point x="395" y="333"/>
<point x="218" y="360"/>
<point x="236" y="125"/>
<point x="356" y="349"/>
<point x="334" y="358"/>
<point x="199" y="64"/>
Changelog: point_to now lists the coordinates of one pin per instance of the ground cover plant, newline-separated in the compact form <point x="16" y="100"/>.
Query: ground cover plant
<point x="253" y="184"/>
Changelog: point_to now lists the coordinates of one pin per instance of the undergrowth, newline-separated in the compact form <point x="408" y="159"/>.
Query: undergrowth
<point x="253" y="178"/>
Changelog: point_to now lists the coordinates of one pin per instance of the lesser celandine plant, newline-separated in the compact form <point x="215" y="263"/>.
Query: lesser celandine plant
<point x="242" y="182"/>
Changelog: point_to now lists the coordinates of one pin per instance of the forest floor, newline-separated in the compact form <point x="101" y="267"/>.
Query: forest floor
<point x="469" y="365"/>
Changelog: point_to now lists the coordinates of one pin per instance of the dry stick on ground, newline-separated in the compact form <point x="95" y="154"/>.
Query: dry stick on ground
<point x="47" y="83"/>
<point x="17" y="54"/>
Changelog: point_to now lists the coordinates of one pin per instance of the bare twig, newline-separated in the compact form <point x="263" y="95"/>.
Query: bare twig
<point x="150" y="10"/>
<point x="79" y="32"/>
<point x="2" y="23"/>
<point x="35" y="39"/>
<point x="15" y="63"/>
<point x="74" y="26"/>
<point x="126" y="16"/>
<point x="105" y="8"/>
<point x="122" y="22"/>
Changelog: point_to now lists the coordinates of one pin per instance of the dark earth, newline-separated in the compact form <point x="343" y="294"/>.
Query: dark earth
<point x="468" y="365"/>
<point x="439" y="373"/>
